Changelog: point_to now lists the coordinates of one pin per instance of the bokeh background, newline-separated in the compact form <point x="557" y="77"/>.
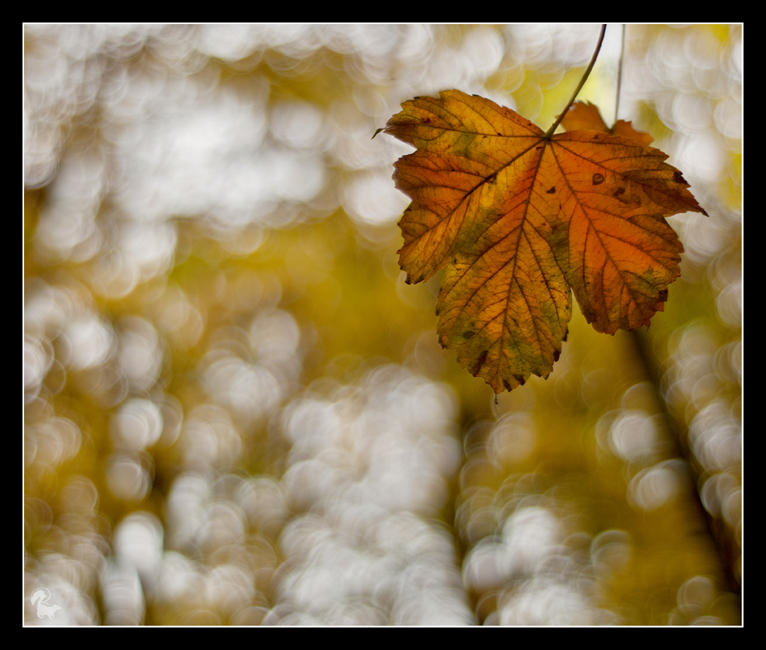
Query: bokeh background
<point x="236" y="412"/>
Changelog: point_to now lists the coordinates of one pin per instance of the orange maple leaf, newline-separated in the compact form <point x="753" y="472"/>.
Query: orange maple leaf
<point x="584" y="116"/>
<point x="519" y="218"/>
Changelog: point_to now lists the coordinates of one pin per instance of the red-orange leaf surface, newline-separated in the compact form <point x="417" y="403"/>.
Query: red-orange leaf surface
<point x="519" y="219"/>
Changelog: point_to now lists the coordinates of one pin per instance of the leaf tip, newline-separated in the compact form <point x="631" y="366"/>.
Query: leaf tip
<point x="383" y="128"/>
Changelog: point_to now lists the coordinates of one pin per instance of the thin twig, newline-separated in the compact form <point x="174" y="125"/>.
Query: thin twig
<point x="619" y="77"/>
<point x="679" y="440"/>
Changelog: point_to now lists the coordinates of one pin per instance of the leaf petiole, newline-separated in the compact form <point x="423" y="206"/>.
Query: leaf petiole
<point x="585" y="76"/>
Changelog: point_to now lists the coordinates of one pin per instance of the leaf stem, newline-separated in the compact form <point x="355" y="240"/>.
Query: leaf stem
<point x="550" y="131"/>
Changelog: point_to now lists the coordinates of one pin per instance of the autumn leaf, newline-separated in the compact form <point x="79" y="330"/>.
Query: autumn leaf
<point x="519" y="218"/>
<point x="585" y="116"/>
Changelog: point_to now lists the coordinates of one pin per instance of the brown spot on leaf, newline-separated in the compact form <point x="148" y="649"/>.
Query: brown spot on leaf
<point x="551" y="191"/>
<point x="598" y="179"/>
<point x="506" y="384"/>
<point x="663" y="295"/>
<point x="520" y="379"/>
